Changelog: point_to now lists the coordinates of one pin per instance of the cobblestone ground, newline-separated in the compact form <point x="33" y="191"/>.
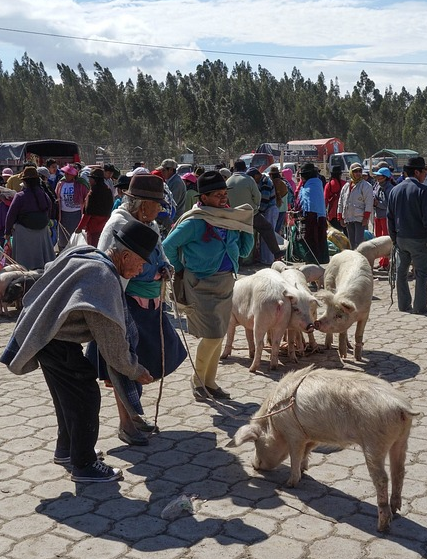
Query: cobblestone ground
<point x="241" y="513"/>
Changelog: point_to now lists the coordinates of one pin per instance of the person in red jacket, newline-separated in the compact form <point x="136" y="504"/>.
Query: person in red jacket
<point x="97" y="208"/>
<point x="332" y="195"/>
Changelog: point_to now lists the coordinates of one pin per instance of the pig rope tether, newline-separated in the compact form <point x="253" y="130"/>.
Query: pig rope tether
<point x="292" y="401"/>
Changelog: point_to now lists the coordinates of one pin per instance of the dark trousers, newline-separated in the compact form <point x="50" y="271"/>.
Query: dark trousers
<point x="266" y="230"/>
<point x="72" y="382"/>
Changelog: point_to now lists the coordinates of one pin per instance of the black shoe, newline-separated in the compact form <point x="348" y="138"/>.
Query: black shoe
<point x="144" y="425"/>
<point x="138" y="439"/>
<point x="97" y="472"/>
<point x="218" y="393"/>
<point x="200" y="394"/>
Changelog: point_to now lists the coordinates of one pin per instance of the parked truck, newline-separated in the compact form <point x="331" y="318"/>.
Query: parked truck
<point x="13" y="154"/>
<point x="324" y="153"/>
<point x="395" y="159"/>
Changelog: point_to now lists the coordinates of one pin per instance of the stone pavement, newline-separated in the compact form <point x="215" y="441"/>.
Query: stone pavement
<point x="241" y="513"/>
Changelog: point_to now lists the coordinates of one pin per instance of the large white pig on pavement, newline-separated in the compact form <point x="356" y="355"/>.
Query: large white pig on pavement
<point x="377" y="247"/>
<point x="348" y="294"/>
<point x="312" y="407"/>
<point x="264" y="302"/>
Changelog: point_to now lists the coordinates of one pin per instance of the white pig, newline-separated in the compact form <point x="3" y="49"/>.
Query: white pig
<point x="263" y="303"/>
<point x="348" y="293"/>
<point x="299" y="321"/>
<point x="376" y="248"/>
<point x="314" y="407"/>
<point x="312" y="272"/>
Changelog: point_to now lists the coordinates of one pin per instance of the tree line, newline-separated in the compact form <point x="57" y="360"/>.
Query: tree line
<point x="213" y="111"/>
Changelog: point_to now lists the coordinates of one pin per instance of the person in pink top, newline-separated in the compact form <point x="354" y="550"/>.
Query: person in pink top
<point x="71" y="192"/>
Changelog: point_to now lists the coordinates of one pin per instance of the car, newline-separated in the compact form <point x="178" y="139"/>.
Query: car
<point x="184" y="168"/>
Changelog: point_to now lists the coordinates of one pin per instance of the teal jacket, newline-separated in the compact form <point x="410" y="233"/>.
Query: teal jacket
<point x="185" y="248"/>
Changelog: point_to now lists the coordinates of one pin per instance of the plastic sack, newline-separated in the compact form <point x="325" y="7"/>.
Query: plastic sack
<point x="77" y="239"/>
<point x="178" y="506"/>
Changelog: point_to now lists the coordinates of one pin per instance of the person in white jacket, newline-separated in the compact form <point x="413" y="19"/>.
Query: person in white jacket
<point x="355" y="205"/>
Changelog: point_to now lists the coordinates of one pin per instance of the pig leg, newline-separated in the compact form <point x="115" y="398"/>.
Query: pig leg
<point x="276" y="336"/>
<point x="259" y="333"/>
<point x="313" y="346"/>
<point x="342" y="344"/>
<point x="308" y="448"/>
<point x="230" y="337"/>
<point x="375" y="459"/>
<point x="360" y="328"/>
<point x="397" y="470"/>
<point x="329" y="338"/>
<point x="291" y="345"/>
<point x="297" y="450"/>
<point x="250" y="339"/>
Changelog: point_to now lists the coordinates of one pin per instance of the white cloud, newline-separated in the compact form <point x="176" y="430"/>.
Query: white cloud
<point x="327" y="29"/>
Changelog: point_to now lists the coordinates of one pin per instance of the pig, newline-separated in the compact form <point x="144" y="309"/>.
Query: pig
<point x="18" y="287"/>
<point x="313" y="273"/>
<point x="376" y="248"/>
<point x="263" y="303"/>
<point x="298" y="323"/>
<point x="5" y="279"/>
<point x="313" y="407"/>
<point x="348" y="294"/>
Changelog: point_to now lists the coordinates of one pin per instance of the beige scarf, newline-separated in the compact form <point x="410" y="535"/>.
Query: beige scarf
<point x="237" y="219"/>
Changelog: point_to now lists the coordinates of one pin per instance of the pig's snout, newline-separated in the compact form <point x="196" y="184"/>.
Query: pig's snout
<point x="310" y="328"/>
<point x="317" y="324"/>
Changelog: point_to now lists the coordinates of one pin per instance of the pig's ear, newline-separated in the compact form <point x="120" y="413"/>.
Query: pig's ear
<point x="325" y="296"/>
<point x="247" y="433"/>
<point x="347" y="306"/>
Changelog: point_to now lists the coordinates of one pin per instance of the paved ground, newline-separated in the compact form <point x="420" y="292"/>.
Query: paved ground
<point x="240" y="513"/>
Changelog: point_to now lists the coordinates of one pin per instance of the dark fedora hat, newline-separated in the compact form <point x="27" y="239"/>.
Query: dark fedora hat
<point x="97" y="174"/>
<point x="146" y="187"/>
<point x="416" y="163"/>
<point x="210" y="181"/>
<point x="308" y="168"/>
<point x="123" y="182"/>
<point x="138" y="238"/>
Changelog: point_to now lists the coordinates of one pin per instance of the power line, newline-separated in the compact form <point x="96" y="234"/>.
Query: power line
<point x="225" y="52"/>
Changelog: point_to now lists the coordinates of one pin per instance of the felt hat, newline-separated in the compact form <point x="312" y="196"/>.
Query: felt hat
<point x="29" y="173"/>
<point x="97" y="174"/>
<point x="138" y="238"/>
<point x="355" y="166"/>
<point x="416" y="163"/>
<point x="146" y="187"/>
<point x="123" y="182"/>
<point x="210" y="181"/>
<point x="70" y="170"/>
<point x="384" y="171"/>
<point x="336" y="170"/>
<point x="308" y="168"/>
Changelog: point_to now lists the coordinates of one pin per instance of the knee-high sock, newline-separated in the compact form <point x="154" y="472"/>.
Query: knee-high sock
<point x="207" y="358"/>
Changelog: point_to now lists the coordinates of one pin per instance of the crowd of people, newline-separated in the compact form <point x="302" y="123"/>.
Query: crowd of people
<point x="143" y="228"/>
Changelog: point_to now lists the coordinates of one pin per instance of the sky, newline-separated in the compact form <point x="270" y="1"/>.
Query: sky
<point x="341" y="38"/>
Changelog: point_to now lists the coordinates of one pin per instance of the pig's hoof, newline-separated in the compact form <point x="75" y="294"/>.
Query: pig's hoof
<point x="273" y="367"/>
<point x="224" y="356"/>
<point x="395" y="504"/>
<point x="252" y="369"/>
<point x="384" y="522"/>
<point x="291" y="482"/>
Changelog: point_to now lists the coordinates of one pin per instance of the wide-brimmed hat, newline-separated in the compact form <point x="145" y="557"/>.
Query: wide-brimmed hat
<point x="416" y="163"/>
<point x="29" y="173"/>
<point x="252" y="171"/>
<point x="146" y="187"/>
<point x="96" y="174"/>
<point x="169" y="164"/>
<point x="336" y="170"/>
<point x="7" y="172"/>
<point x="70" y="170"/>
<point x="210" y="181"/>
<point x="355" y="166"/>
<point x="123" y="182"/>
<point x="138" y="238"/>
<point x="308" y="168"/>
